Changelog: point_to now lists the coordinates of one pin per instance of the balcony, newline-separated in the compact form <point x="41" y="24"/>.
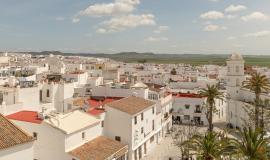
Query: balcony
<point x="147" y="134"/>
<point x="166" y="117"/>
<point x="198" y="111"/>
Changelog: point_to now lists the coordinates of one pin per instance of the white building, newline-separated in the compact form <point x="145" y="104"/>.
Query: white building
<point x="237" y="97"/>
<point x="188" y="108"/>
<point x="68" y="136"/>
<point x="121" y="90"/>
<point x="140" y="124"/>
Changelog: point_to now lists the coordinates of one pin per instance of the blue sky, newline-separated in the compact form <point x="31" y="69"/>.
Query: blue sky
<point x="160" y="26"/>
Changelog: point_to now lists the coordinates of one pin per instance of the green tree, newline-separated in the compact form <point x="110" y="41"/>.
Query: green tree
<point x="210" y="146"/>
<point x="173" y="71"/>
<point x="211" y="93"/>
<point x="258" y="84"/>
<point x="252" y="145"/>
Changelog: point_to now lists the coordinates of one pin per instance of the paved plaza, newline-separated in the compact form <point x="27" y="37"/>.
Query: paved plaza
<point x="167" y="149"/>
<point x="164" y="150"/>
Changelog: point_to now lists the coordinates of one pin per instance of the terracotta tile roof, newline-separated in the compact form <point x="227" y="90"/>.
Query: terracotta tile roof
<point x="25" y="116"/>
<point x="131" y="105"/>
<point x="100" y="148"/>
<point x="11" y="135"/>
<point x="99" y="101"/>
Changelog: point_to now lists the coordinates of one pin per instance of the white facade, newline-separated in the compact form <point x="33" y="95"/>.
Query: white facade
<point x="189" y="109"/>
<point x="141" y="131"/>
<point x="55" y="143"/>
<point x="22" y="151"/>
<point x="109" y="91"/>
<point x="56" y="93"/>
<point x="236" y="96"/>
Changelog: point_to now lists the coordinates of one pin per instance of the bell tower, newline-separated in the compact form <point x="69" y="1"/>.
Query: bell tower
<point x="235" y="75"/>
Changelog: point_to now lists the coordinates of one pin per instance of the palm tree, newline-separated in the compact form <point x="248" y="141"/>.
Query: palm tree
<point x="252" y="144"/>
<point x="209" y="146"/>
<point x="258" y="84"/>
<point x="211" y="93"/>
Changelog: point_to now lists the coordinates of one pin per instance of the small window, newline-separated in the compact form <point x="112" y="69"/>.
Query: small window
<point x="48" y="93"/>
<point x="237" y="69"/>
<point x="142" y="130"/>
<point x="153" y="110"/>
<point x="117" y="138"/>
<point x="135" y="120"/>
<point x="35" y="134"/>
<point x="153" y="125"/>
<point x="152" y="139"/>
<point x="83" y="135"/>
<point x="142" y="116"/>
<point x="237" y="82"/>
<point x="187" y="106"/>
<point x="69" y="106"/>
<point x="102" y="124"/>
<point x="186" y="117"/>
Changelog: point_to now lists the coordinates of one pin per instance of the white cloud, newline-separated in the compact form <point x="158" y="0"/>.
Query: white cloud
<point x="75" y="20"/>
<point x="231" y="38"/>
<point x="101" y="30"/>
<point x="235" y="8"/>
<point x="161" y="29"/>
<point x="212" y="15"/>
<point x="88" y="35"/>
<point x="258" y="34"/>
<point x="212" y="28"/>
<point x="255" y="16"/>
<point x="214" y="0"/>
<point x="122" y="23"/>
<point x="230" y="16"/>
<point x="60" y="18"/>
<point x="118" y="7"/>
<point x="238" y="45"/>
<point x="156" y="39"/>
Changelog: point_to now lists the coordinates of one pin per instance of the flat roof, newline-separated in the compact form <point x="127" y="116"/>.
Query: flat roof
<point x="25" y="116"/>
<point x="72" y="121"/>
<point x="100" y="148"/>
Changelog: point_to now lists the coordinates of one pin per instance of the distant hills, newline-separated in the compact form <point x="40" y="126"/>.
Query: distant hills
<point x="194" y="59"/>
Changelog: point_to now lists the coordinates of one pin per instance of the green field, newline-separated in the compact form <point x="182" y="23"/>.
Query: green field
<point x="193" y="59"/>
<point x="189" y="59"/>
